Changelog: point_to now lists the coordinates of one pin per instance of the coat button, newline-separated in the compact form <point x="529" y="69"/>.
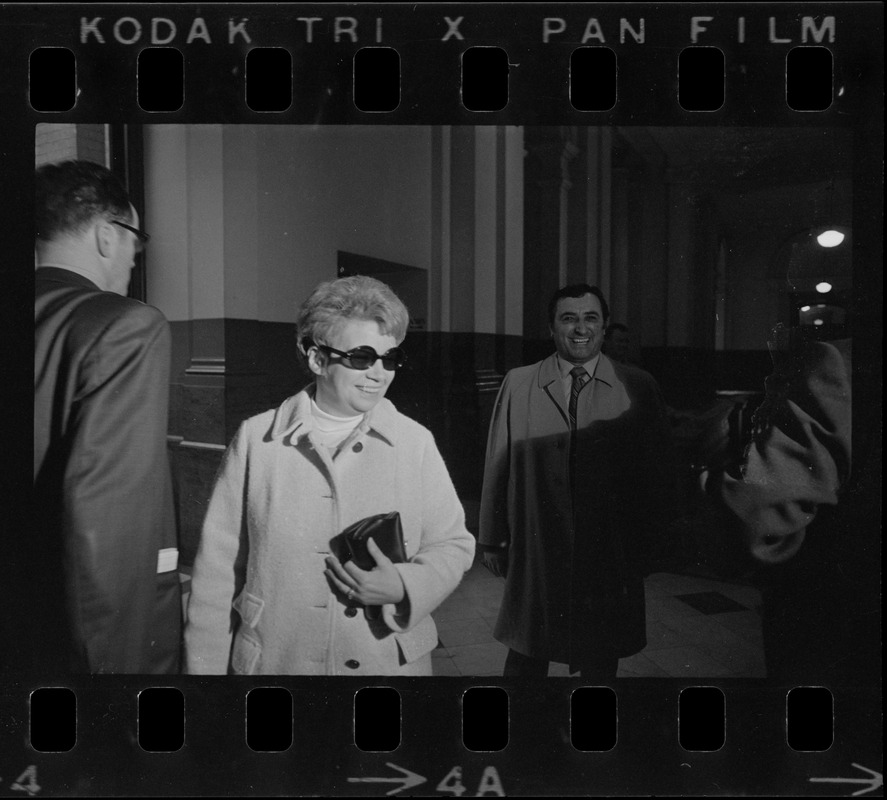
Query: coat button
<point x="351" y="611"/>
<point x="358" y="447"/>
<point x="352" y="663"/>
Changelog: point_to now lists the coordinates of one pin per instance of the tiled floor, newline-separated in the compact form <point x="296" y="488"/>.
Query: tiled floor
<point x="696" y="627"/>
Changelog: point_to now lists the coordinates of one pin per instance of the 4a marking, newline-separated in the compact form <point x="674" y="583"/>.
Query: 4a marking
<point x="26" y="782"/>
<point x="489" y="784"/>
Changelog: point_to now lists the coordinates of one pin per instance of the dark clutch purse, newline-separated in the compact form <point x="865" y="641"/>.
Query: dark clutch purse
<point x="384" y="529"/>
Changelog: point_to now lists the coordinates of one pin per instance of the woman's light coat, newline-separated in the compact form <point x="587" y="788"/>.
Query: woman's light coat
<point x="260" y="602"/>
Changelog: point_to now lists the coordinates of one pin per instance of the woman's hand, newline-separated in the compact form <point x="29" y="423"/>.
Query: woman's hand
<point x="375" y="587"/>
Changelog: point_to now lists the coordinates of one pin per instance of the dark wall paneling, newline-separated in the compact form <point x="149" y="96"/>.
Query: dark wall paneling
<point x="223" y="371"/>
<point x="194" y="470"/>
<point x="450" y="386"/>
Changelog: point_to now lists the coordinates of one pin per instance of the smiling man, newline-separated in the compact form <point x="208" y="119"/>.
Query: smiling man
<point x="576" y="484"/>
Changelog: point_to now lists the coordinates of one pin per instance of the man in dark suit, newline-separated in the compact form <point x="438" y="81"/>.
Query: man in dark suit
<point x="104" y="596"/>
<point x="575" y="491"/>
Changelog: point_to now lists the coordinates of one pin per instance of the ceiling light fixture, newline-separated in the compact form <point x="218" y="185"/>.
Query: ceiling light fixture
<point x="829" y="235"/>
<point x="824" y="287"/>
<point x="830" y="238"/>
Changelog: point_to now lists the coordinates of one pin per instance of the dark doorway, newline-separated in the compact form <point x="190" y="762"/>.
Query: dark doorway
<point x="410" y="284"/>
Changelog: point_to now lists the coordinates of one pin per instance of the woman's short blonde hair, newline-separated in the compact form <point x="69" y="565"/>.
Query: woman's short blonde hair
<point x="356" y="297"/>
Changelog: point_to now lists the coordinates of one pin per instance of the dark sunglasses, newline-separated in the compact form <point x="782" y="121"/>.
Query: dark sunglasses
<point x="140" y="235"/>
<point x="364" y="357"/>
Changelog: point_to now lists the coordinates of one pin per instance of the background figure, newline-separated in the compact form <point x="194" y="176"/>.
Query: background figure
<point x="269" y="595"/>
<point x="575" y="492"/>
<point x="810" y="525"/>
<point x="617" y="343"/>
<point x="105" y="592"/>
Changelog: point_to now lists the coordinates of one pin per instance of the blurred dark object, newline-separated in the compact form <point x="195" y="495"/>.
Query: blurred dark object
<point x="794" y="517"/>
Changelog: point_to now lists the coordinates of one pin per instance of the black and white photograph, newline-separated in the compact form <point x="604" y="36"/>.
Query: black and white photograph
<point x="706" y="246"/>
<point x="526" y="405"/>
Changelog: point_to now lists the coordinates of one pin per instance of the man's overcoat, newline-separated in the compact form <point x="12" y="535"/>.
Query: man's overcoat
<point x="577" y="538"/>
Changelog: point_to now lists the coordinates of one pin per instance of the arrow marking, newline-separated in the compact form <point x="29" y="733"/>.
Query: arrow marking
<point x="408" y="779"/>
<point x="874" y="782"/>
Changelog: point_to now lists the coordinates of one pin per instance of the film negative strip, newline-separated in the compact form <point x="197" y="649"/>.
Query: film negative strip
<point x="475" y="157"/>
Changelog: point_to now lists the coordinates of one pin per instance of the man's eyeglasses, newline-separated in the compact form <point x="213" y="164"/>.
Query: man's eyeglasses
<point x="364" y="357"/>
<point x="140" y="235"/>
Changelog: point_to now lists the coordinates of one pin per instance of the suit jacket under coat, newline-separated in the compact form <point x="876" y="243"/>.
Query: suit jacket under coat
<point x="574" y="587"/>
<point x="98" y="600"/>
<point x="260" y="602"/>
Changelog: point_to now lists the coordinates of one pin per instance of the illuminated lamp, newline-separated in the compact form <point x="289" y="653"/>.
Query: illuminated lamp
<point x="830" y="238"/>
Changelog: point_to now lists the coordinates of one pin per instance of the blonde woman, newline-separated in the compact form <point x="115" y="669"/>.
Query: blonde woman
<point x="293" y="479"/>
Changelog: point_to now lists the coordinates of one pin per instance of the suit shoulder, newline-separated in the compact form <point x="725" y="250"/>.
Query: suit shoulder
<point x="116" y="307"/>
<point x="84" y="318"/>
<point x="99" y="312"/>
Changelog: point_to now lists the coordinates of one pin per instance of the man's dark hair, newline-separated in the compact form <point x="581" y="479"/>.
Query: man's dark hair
<point x="577" y="290"/>
<point x="613" y="327"/>
<point x="71" y="194"/>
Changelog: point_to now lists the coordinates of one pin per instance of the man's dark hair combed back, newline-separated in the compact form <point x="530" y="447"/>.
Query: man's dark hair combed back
<point x="577" y="290"/>
<point x="71" y="194"/>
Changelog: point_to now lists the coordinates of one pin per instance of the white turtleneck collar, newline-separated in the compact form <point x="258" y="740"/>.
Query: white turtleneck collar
<point x="330" y="423"/>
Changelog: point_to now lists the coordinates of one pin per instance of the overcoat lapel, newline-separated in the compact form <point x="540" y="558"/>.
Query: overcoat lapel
<point x="599" y="400"/>
<point x="549" y="382"/>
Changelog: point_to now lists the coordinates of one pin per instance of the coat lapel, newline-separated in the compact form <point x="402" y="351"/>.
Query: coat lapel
<point x="600" y="393"/>
<point x="605" y="372"/>
<point x="549" y="381"/>
<point x="597" y="396"/>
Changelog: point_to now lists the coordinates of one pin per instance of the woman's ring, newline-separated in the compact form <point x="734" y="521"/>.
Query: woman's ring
<point x="350" y="594"/>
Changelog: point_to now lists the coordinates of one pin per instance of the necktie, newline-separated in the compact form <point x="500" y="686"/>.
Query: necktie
<point x="580" y="378"/>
